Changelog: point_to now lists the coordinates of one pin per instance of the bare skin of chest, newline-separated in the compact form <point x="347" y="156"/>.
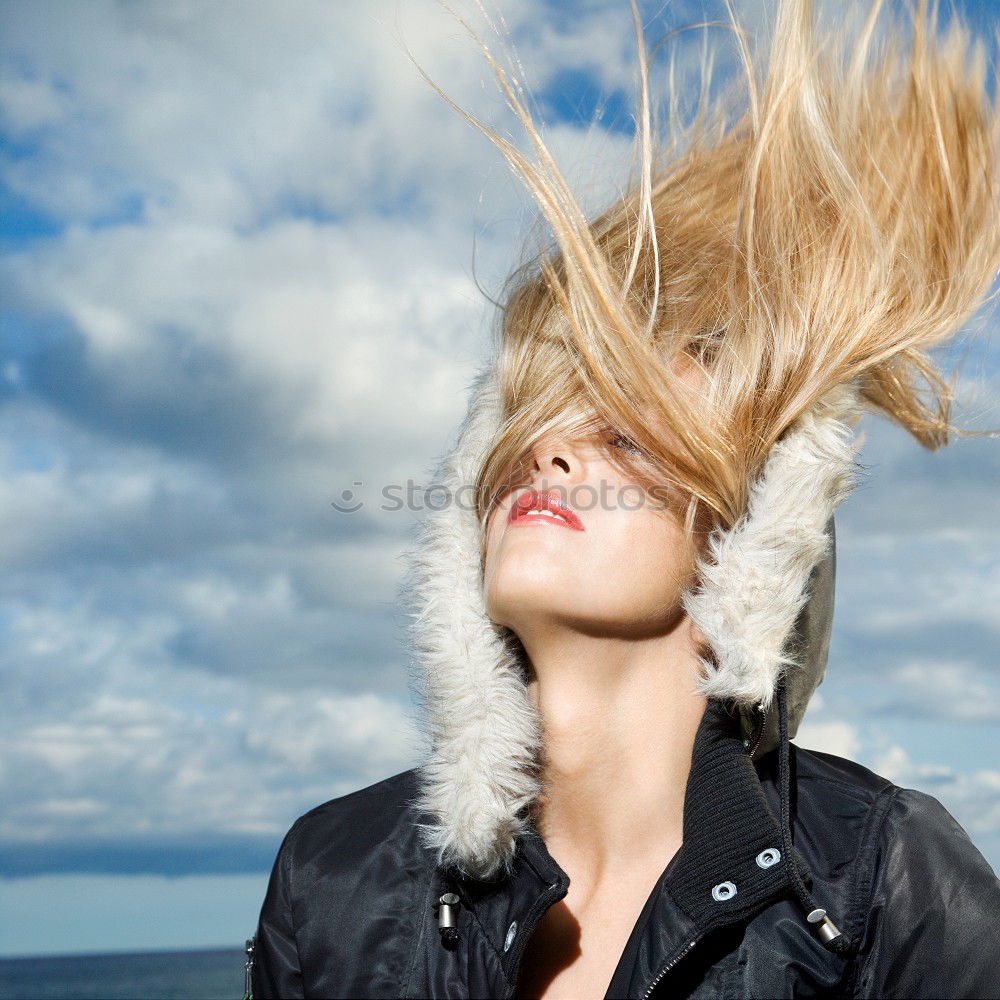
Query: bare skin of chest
<point x="575" y="949"/>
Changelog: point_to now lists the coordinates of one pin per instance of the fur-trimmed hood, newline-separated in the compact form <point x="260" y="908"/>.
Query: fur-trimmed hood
<point x="764" y="603"/>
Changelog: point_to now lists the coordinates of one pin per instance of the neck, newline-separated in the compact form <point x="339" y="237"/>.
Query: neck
<point x="619" y="718"/>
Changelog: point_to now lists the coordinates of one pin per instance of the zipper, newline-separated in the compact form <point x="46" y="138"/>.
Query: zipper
<point x="760" y="732"/>
<point x="668" y="967"/>
<point x="751" y="750"/>
<point x="248" y="971"/>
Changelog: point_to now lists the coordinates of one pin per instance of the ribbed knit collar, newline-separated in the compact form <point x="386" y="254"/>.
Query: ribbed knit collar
<point x="727" y="825"/>
<point x="729" y="867"/>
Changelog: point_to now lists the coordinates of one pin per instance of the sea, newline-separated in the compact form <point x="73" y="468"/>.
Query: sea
<point x="199" y="975"/>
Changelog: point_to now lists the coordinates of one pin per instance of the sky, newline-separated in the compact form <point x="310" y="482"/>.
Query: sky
<point x="245" y="267"/>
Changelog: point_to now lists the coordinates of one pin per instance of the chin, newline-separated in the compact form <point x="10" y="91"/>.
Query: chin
<point x="516" y="594"/>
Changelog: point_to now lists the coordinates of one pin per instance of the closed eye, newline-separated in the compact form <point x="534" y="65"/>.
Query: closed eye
<point x="625" y="443"/>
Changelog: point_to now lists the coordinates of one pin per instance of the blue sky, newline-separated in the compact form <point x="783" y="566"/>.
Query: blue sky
<point x="237" y="280"/>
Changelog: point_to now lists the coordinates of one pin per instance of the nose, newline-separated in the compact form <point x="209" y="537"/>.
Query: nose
<point x="557" y="462"/>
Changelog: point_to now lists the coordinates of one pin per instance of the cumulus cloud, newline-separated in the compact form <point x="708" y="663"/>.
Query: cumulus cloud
<point x="925" y="594"/>
<point x="239" y="286"/>
<point x="941" y="690"/>
<point x="837" y="737"/>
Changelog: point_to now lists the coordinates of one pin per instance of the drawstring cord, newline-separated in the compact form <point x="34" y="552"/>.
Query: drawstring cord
<point x="829" y="933"/>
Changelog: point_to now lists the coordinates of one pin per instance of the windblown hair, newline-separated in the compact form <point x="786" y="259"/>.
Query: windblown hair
<point x="845" y="224"/>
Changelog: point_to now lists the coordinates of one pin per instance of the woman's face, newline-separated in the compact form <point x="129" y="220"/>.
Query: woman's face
<point x="614" y="564"/>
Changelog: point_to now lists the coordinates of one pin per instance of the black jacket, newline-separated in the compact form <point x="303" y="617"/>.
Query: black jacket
<point x="799" y="873"/>
<point x="350" y="908"/>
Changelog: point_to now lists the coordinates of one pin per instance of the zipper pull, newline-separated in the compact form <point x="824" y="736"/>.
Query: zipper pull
<point x="248" y="972"/>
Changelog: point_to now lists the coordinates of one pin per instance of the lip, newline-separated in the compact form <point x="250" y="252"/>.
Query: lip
<point x="526" y="510"/>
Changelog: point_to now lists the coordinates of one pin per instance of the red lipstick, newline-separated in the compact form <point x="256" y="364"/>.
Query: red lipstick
<point x="543" y="506"/>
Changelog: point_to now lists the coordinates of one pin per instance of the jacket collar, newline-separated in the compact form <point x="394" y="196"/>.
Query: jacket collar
<point x="730" y="835"/>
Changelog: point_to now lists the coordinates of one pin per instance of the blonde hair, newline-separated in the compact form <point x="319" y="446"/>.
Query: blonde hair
<point x="844" y="225"/>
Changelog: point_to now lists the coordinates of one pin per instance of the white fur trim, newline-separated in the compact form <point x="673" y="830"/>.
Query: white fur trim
<point x="484" y="737"/>
<point x="483" y="731"/>
<point x="753" y="585"/>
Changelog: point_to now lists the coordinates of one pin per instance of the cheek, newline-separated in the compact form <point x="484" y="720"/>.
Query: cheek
<point x="487" y="550"/>
<point x="647" y="557"/>
<point x="497" y="571"/>
<point x="492" y="532"/>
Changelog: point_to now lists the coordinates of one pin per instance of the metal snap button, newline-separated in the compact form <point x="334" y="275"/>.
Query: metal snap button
<point x="769" y="856"/>
<point x="511" y="934"/>
<point x="724" y="891"/>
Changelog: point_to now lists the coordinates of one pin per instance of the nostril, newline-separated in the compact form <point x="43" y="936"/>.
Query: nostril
<point x="562" y="463"/>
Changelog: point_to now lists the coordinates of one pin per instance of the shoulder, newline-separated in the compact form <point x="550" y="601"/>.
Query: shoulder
<point x="824" y="785"/>
<point x="891" y="820"/>
<point x="839" y="774"/>
<point x="351" y="829"/>
<point x="853" y="818"/>
<point x="919" y="851"/>
<point x="898" y="818"/>
<point x="902" y="873"/>
<point x="933" y="895"/>
<point x="343" y="905"/>
<point x="379" y="803"/>
<point x="919" y="834"/>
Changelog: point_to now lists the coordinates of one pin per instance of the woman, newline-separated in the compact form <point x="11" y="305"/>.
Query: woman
<point x="618" y="639"/>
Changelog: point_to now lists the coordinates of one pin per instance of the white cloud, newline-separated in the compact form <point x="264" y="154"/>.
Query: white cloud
<point x="263" y="294"/>
<point x="318" y="735"/>
<point x="840" y="738"/>
<point x="168" y="762"/>
<point x="947" y="690"/>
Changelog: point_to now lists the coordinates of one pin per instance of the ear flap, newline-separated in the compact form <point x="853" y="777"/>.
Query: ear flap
<point x="764" y="598"/>
<point x="809" y="645"/>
